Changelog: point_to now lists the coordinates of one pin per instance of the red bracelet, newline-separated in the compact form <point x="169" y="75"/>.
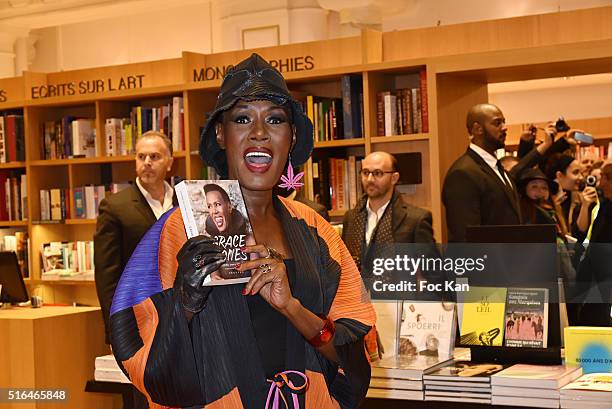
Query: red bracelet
<point x="326" y="333"/>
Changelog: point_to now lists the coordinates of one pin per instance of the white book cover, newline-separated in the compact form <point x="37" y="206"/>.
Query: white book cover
<point x="106" y="362"/>
<point x="392" y="383"/>
<point x="593" y="384"/>
<point x="529" y="402"/>
<point x="427" y="328"/>
<point x="110" y="375"/>
<point x="537" y="376"/>
<point x="90" y="202"/>
<point x="215" y="208"/>
<point x="177" y="107"/>
<point x="83" y="138"/>
<point x="520" y="392"/>
<point x="112" y="129"/>
<point x="410" y="368"/>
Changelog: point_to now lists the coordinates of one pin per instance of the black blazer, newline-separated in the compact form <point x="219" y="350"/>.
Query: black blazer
<point x="123" y="218"/>
<point x="474" y="195"/>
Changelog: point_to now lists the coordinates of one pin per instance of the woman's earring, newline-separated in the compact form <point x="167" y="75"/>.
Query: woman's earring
<point x="291" y="181"/>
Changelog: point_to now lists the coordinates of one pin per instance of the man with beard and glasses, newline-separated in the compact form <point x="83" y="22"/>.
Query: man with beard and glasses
<point x="477" y="190"/>
<point x="379" y="221"/>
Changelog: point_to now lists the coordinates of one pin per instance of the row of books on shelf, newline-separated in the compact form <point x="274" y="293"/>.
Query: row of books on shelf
<point x="334" y="182"/>
<point x="337" y="118"/>
<point x="55" y="204"/>
<point x="76" y="137"/>
<point x="69" y="137"/>
<point x="121" y="134"/>
<point x="14" y="194"/>
<point x="67" y="260"/>
<point x="12" y="141"/>
<point x="404" y="110"/>
<point x="602" y="152"/>
<point x="19" y="243"/>
<point x="460" y="380"/>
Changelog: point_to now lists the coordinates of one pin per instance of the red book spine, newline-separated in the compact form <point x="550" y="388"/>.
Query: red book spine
<point x="424" y="104"/>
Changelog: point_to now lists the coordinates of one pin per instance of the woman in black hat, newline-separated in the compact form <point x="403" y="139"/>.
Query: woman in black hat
<point x="295" y="331"/>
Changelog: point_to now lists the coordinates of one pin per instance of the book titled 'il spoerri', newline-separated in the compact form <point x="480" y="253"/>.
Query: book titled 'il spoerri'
<point x="215" y="208"/>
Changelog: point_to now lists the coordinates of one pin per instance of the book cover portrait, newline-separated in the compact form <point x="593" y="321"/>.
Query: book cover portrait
<point x="215" y="208"/>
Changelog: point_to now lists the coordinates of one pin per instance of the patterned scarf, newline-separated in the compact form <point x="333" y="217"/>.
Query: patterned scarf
<point x="380" y="243"/>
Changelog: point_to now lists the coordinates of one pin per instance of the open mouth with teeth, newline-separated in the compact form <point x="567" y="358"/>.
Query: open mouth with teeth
<point x="258" y="160"/>
<point x="219" y="222"/>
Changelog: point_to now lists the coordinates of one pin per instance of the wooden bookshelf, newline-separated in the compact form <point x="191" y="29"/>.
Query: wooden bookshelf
<point x="458" y="63"/>
<point x="399" y="138"/>
<point x="13" y="165"/>
<point x="13" y="223"/>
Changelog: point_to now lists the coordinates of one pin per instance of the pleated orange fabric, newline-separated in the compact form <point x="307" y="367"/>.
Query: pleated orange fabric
<point x="172" y="239"/>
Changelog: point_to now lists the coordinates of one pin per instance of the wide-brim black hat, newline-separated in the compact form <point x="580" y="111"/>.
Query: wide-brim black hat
<point x="250" y="80"/>
<point x="530" y="174"/>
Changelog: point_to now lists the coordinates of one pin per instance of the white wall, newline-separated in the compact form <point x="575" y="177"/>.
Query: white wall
<point x="429" y="13"/>
<point x="548" y="104"/>
<point x="124" y="39"/>
<point x="216" y="25"/>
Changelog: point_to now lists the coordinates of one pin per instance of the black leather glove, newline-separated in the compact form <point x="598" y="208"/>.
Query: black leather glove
<point x="198" y="258"/>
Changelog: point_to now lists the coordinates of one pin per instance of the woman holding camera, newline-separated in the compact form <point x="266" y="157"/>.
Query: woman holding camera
<point x="565" y="171"/>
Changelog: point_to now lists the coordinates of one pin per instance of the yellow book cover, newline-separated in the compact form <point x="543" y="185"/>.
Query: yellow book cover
<point x="482" y="320"/>
<point x="589" y="347"/>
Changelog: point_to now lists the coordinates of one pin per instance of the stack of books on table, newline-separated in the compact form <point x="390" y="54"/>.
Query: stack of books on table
<point x="591" y="391"/>
<point x="401" y="377"/>
<point x="534" y="386"/>
<point x="107" y="370"/>
<point x="461" y="381"/>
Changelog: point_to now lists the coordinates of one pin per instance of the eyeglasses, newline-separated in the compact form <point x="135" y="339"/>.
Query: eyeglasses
<point x="377" y="173"/>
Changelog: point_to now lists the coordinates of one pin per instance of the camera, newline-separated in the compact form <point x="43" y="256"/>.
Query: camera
<point x="561" y="125"/>
<point x="533" y="130"/>
<point x="590" y="181"/>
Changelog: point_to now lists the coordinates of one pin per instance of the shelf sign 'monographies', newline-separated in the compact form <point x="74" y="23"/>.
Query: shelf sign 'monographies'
<point x="284" y="65"/>
<point x="84" y="87"/>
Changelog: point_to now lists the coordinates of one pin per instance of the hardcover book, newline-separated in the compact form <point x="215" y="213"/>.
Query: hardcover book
<point x="482" y="320"/>
<point x="594" y="385"/>
<point x="215" y="208"/>
<point x="589" y="347"/>
<point x="537" y="376"/>
<point x="408" y="368"/>
<point x="465" y="371"/>
<point x="427" y="328"/>
<point x="526" y="318"/>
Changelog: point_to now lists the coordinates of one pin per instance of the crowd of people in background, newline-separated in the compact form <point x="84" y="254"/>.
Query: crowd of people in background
<point x="552" y="187"/>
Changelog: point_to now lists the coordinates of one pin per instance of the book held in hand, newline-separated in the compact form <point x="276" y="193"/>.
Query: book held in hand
<point x="215" y="208"/>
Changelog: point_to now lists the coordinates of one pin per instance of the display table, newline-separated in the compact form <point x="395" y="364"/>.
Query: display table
<point x="52" y="348"/>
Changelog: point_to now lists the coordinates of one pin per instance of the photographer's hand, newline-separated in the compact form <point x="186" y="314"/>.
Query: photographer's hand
<point x="528" y="135"/>
<point x="550" y="133"/>
<point x="569" y="137"/>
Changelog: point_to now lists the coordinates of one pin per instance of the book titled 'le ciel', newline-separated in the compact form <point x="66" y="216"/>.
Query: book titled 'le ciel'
<point x="215" y="208"/>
